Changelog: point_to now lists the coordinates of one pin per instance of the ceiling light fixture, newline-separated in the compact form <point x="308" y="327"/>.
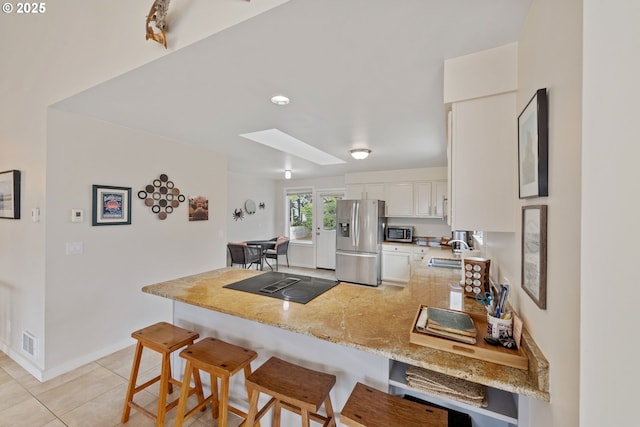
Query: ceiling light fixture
<point x="279" y="100"/>
<point x="360" y="153"/>
<point x="287" y="174"/>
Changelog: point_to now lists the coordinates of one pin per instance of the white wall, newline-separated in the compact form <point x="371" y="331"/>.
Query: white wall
<point x="610" y="176"/>
<point x="550" y="55"/>
<point x="49" y="57"/>
<point x="259" y="225"/>
<point x="96" y="295"/>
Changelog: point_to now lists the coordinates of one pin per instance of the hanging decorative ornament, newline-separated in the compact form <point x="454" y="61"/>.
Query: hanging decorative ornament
<point x="157" y="18"/>
<point x="238" y="214"/>
<point x="161" y="196"/>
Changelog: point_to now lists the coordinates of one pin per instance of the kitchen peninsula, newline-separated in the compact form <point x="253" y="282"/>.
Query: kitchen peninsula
<point x="358" y="333"/>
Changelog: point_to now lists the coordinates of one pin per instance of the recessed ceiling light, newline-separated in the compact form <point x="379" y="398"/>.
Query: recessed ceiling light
<point x="279" y="100"/>
<point x="287" y="174"/>
<point x="360" y="153"/>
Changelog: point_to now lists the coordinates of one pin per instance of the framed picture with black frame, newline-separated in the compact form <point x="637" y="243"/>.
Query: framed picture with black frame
<point x="534" y="253"/>
<point x="111" y="205"/>
<point x="533" y="147"/>
<point x="10" y="194"/>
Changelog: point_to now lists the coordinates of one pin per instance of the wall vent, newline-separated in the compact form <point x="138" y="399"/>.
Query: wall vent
<point x="29" y="343"/>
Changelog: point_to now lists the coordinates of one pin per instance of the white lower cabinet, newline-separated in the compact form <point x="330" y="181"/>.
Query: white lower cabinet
<point x="418" y="253"/>
<point x="396" y="263"/>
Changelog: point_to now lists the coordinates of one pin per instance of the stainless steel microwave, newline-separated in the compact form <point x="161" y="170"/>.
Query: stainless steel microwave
<point x="399" y="234"/>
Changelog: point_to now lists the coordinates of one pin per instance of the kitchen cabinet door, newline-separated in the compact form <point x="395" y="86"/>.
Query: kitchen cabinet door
<point x="484" y="164"/>
<point x="423" y="197"/>
<point x="438" y="196"/>
<point x="396" y="265"/>
<point x="399" y="198"/>
<point x="373" y="191"/>
<point x="429" y="198"/>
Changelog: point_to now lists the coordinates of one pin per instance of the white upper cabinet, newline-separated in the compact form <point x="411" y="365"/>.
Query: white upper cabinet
<point x="373" y="191"/>
<point x="483" y="164"/>
<point x="430" y="198"/>
<point x="407" y="192"/>
<point x="482" y="140"/>
<point x="399" y="198"/>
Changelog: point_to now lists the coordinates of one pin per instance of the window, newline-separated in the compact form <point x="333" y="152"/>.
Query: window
<point x="300" y="209"/>
<point x="329" y="204"/>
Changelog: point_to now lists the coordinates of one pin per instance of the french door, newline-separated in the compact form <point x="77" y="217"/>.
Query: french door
<point x="326" y="228"/>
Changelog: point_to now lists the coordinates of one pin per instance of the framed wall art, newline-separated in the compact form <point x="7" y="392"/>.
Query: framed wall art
<point x="533" y="147"/>
<point x="111" y="205"/>
<point x="10" y="194"/>
<point x="534" y="253"/>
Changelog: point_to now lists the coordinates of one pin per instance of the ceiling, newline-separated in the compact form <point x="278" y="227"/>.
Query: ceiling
<point x="360" y="73"/>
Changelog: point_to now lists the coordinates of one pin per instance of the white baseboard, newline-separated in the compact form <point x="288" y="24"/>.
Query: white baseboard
<point x="47" y="374"/>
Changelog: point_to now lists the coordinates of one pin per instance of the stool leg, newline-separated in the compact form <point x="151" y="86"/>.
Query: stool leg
<point x="215" y="398"/>
<point x="132" y="383"/>
<point x="329" y="410"/>
<point x="165" y="385"/>
<point x="224" y="402"/>
<point x="305" y="418"/>
<point x="253" y="407"/>
<point x="277" y="413"/>
<point x="184" y="394"/>
<point x="199" y="392"/>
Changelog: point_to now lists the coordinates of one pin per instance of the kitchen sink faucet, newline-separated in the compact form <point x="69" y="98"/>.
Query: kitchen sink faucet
<point x="459" y="251"/>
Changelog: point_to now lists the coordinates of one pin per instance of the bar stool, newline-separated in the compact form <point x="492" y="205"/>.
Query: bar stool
<point x="291" y="387"/>
<point x="164" y="338"/>
<point x="221" y="360"/>
<point x="368" y="407"/>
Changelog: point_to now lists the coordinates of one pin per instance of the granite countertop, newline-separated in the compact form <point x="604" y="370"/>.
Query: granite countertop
<point x="373" y="319"/>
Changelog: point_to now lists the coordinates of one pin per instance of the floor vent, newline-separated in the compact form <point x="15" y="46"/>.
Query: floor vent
<point x="29" y="343"/>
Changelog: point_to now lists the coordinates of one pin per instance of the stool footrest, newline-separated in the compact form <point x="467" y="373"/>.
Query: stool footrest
<point x="313" y="416"/>
<point x="143" y="411"/>
<point x="147" y="384"/>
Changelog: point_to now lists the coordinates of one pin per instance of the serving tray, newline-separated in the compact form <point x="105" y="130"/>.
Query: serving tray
<point x="516" y="358"/>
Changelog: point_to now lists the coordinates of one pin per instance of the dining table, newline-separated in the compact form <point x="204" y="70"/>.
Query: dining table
<point x="264" y="244"/>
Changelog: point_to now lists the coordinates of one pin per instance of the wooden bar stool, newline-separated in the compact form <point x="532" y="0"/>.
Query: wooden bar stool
<point x="368" y="407"/>
<point x="291" y="387"/>
<point x="164" y="338"/>
<point x="221" y="360"/>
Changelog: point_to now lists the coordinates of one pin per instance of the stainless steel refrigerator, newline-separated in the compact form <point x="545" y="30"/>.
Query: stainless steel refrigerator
<point x="359" y="236"/>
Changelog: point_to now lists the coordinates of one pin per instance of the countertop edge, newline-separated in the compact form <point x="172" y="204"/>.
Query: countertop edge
<point x="538" y="365"/>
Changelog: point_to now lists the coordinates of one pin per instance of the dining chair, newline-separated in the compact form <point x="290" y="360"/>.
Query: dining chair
<point x="245" y="255"/>
<point x="281" y="248"/>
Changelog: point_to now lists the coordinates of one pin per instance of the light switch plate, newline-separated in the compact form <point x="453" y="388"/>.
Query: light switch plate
<point x="35" y="214"/>
<point x="74" y="248"/>
<point x="77" y="215"/>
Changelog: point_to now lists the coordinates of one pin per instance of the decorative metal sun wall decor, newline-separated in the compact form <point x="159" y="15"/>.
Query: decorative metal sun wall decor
<point x="162" y="196"/>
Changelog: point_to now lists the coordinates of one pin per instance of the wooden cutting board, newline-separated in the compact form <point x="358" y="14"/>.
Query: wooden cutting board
<point x="516" y="358"/>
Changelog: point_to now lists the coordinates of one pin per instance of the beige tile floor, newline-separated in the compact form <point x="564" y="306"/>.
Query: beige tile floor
<point x="92" y="395"/>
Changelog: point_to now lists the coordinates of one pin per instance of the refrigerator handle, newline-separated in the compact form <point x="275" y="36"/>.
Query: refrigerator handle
<point x="354" y="224"/>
